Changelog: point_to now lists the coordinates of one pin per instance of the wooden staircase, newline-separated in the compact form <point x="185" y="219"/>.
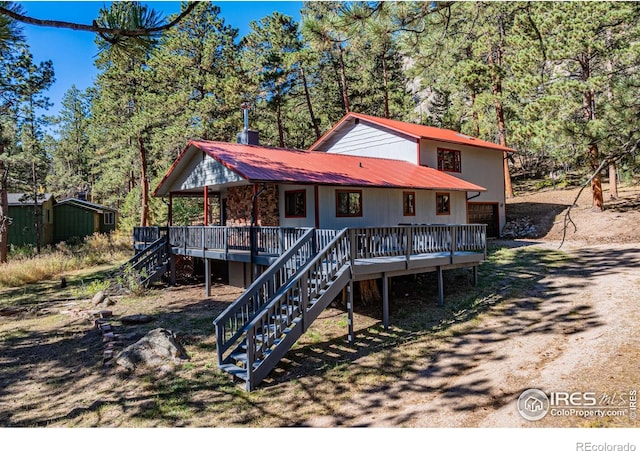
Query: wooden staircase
<point x="149" y="264"/>
<point x="256" y="331"/>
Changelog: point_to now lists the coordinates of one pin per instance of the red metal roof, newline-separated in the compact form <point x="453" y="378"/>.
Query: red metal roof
<point x="414" y="131"/>
<point x="269" y="164"/>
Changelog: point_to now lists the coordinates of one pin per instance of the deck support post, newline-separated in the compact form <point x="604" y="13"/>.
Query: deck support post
<point x="350" y="337"/>
<point x="385" y="301"/>
<point x="475" y="275"/>
<point x="172" y="269"/>
<point x="207" y="276"/>
<point x="440" y="288"/>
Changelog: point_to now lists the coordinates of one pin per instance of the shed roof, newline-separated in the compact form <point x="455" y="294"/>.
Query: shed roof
<point x="271" y="164"/>
<point x="85" y="205"/>
<point x="411" y="130"/>
<point x="25" y="199"/>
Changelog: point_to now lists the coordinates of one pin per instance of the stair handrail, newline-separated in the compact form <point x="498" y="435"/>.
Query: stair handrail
<point x="230" y="324"/>
<point x="281" y="311"/>
<point x="152" y="253"/>
<point x="140" y="256"/>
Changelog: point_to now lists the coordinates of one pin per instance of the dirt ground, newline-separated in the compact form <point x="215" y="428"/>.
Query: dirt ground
<point x="572" y="328"/>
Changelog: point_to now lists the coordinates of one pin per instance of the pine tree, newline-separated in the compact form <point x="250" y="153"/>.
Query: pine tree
<point x="72" y="153"/>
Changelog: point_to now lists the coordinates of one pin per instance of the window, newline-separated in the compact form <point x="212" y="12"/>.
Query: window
<point x="109" y="218"/>
<point x="449" y="160"/>
<point x="443" y="204"/>
<point x="295" y="204"/>
<point x="409" y="203"/>
<point x="348" y="203"/>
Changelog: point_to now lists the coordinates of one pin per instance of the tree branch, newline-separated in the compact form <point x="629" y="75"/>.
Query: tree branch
<point x="93" y="28"/>
<point x="607" y="161"/>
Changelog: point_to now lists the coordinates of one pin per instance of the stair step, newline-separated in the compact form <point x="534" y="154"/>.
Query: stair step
<point x="235" y="371"/>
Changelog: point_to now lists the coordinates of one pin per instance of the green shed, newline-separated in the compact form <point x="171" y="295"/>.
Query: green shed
<point x="77" y="219"/>
<point x="27" y="215"/>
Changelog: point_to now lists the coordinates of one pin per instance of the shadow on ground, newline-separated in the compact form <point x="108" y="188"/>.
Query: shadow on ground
<point x="517" y="288"/>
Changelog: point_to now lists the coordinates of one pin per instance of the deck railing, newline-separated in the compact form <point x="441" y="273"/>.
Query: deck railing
<point x="375" y="242"/>
<point x="145" y="236"/>
<point x="268" y="240"/>
<point x="367" y="242"/>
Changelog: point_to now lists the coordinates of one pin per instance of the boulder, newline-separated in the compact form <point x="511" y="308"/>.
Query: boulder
<point x="98" y="298"/>
<point x="156" y="349"/>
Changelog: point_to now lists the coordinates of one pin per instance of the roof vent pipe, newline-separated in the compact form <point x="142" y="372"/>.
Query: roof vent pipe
<point x="247" y="136"/>
<point x="245" y="115"/>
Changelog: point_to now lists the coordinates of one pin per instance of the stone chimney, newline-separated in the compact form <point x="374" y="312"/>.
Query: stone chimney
<point x="247" y="136"/>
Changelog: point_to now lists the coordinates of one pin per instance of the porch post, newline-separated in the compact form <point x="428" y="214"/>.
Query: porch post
<point x="172" y="270"/>
<point x="316" y="206"/>
<point x="350" y="337"/>
<point x="385" y="301"/>
<point x="440" y="288"/>
<point x="170" y="209"/>
<point x="207" y="276"/>
<point x="206" y="206"/>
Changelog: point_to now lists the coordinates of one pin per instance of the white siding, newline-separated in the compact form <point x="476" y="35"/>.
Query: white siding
<point x="366" y="140"/>
<point x="383" y="207"/>
<point x="201" y="172"/>
<point x="480" y="166"/>
<point x="309" y="221"/>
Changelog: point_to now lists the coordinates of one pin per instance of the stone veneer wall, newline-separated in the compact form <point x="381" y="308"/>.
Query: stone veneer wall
<point x="239" y="206"/>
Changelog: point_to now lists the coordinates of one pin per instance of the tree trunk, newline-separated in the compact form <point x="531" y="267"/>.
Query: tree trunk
<point x="369" y="291"/>
<point x="37" y="218"/>
<point x="144" y="184"/>
<point x="596" y="182"/>
<point x="474" y="115"/>
<point x="4" y="208"/>
<point x="343" y="81"/>
<point x="307" y="96"/>
<point x="589" y="106"/>
<point x="279" y="120"/>
<point x="385" y="81"/>
<point x="497" y="94"/>
<point x="613" y="181"/>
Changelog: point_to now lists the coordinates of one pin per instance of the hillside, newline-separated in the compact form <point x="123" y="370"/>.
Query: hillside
<point x="545" y="210"/>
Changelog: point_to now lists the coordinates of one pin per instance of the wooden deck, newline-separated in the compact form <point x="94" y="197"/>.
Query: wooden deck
<point x="376" y="252"/>
<point x="299" y="265"/>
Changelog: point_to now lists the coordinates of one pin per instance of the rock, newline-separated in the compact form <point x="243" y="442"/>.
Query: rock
<point x="520" y="228"/>
<point x="136" y="319"/>
<point x="156" y="349"/>
<point x="107" y="302"/>
<point x="98" y="298"/>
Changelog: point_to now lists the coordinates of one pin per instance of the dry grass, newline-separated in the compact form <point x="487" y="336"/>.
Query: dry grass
<point x="97" y="249"/>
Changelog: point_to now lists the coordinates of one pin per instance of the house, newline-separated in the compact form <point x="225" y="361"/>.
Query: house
<point x="267" y="186"/>
<point x="465" y="157"/>
<point x="25" y="212"/>
<point x="372" y="199"/>
<point x="77" y="219"/>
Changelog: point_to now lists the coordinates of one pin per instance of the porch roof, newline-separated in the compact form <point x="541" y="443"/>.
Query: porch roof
<point x="269" y="164"/>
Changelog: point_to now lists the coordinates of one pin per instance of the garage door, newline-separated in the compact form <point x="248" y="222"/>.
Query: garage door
<point x="485" y="214"/>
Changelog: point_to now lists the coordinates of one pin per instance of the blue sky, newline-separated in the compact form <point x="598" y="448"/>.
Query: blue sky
<point x="73" y="52"/>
